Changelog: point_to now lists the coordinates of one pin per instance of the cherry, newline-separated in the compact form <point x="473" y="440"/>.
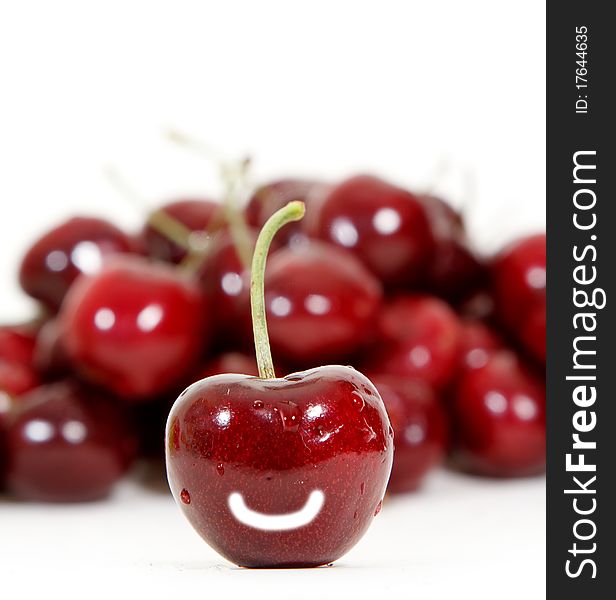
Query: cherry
<point x="418" y="337"/>
<point x="477" y="343"/>
<point x="518" y="279"/>
<point x="498" y="412"/>
<point x="321" y="303"/>
<point x="136" y="328"/>
<point x="385" y="226"/>
<point x="79" y="245"/>
<point x="66" y="443"/>
<point x="454" y="270"/>
<point x="420" y="430"/>
<point x="271" y="197"/>
<point x="198" y="217"/>
<point x="279" y="472"/>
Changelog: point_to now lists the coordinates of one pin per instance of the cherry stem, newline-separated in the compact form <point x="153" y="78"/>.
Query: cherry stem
<point x="293" y="211"/>
<point x="159" y="220"/>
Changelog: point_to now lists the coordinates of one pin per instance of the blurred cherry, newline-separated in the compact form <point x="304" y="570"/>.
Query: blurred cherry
<point x="419" y="338"/>
<point x="498" y="412"/>
<point x="17" y="343"/>
<point x="198" y="217"/>
<point x="66" y="443"/>
<point x="385" y="226"/>
<point x="272" y="196"/>
<point x="420" y="429"/>
<point x="454" y="270"/>
<point x="321" y="303"/>
<point x="519" y="278"/>
<point x="477" y="343"/>
<point x="137" y="327"/>
<point x="50" y="357"/>
<point x="79" y="245"/>
<point x="229" y="362"/>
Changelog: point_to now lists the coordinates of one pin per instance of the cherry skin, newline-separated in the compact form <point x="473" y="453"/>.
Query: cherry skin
<point x="455" y="270"/>
<point x="518" y="280"/>
<point x="276" y="442"/>
<point x="419" y="338"/>
<point x="66" y="443"/>
<point x="195" y="215"/>
<point x="270" y="197"/>
<point x="385" y="226"/>
<point x="137" y="327"/>
<point x="420" y="430"/>
<point x="321" y="303"/>
<point x="477" y="343"/>
<point x="79" y="245"/>
<point x="498" y="412"/>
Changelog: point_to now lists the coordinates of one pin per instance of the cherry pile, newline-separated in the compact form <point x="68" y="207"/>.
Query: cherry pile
<point x="375" y="277"/>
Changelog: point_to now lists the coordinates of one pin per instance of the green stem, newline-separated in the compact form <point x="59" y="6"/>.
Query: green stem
<point x="294" y="211"/>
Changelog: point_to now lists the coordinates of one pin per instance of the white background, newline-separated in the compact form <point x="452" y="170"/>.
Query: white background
<point x="324" y="88"/>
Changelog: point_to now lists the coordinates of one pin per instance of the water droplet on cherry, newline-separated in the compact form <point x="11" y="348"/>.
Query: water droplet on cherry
<point x="185" y="496"/>
<point x="377" y="510"/>
<point x="220" y="468"/>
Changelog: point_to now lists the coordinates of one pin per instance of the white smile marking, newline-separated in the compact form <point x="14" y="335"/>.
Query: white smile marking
<point x="285" y="522"/>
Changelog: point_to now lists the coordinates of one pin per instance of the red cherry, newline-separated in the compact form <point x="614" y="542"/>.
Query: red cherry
<point x="419" y="338"/>
<point x="454" y="270"/>
<point x="320" y="302"/>
<point x="518" y="277"/>
<point x="420" y="430"/>
<point x="385" y="226"/>
<point x="498" y="412"/>
<point x="198" y="216"/>
<point x="276" y="446"/>
<point x="79" y="245"/>
<point x="16" y="379"/>
<point x="66" y="443"/>
<point x="477" y="343"/>
<point x="137" y="327"/>
<point x="269" y="198"/>
<point x="279" y="472"/>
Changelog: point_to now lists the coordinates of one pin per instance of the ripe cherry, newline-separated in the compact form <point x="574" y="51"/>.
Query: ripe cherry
<point x="66" y="443"/>
<point x="279" y="472"/>
<point x="419" y="338"/>
<point x="320" y="302"/>
<point x="137" y="327"/>
<point x="79" y="245"/>
<point x="498" y="411"/>
<point x="518" y="278"/>
<point x="50" y="357"/>
<point x="198" y="218"/>
<point x="477" y="343"/>
<point x="420" y="430"/>
<point x="17" y="343"/>
<point x="385" y="226"/>
<point x="229" y="362"/>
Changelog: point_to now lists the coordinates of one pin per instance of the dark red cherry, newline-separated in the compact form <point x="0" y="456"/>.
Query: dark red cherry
<point x="385" y="226"/>
<point x="270" y="197"/>
<point x="280" y="472"/>
<point x="137" y="327"/>
<point x="201" y="217"/>
<point x="79" y="245"/>
<point x="454" y="270"/>
<point x="420" y="430"/>
<point x="477" y="343"/>
<point x="66" y="443"/>
<point x="321" y="303"/>
<point x="498" y="412"/>
<point x="16" y="378"/>
<point x="419" y="338"/>
<point x="226" y="283"/>
<point x="518" y="279"/>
